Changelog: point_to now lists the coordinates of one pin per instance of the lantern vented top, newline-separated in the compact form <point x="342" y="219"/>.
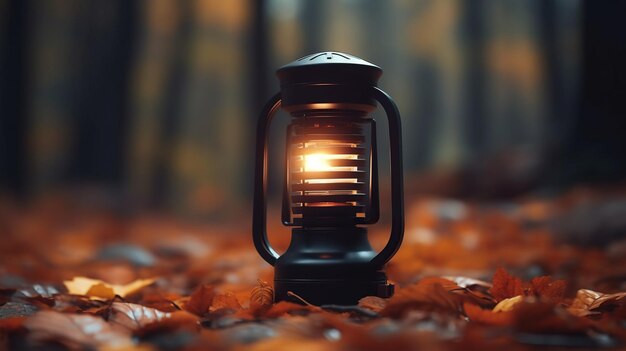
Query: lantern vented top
<point x="328" y="77"/>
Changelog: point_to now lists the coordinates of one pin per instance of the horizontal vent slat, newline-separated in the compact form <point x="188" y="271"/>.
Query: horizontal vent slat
<point x="328" y="186"/>
<point x="360" y="175"/>
<point x="328" y="198"/>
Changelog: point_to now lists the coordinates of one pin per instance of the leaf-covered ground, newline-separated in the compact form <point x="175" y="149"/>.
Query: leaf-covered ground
<point x="508" y="276"/>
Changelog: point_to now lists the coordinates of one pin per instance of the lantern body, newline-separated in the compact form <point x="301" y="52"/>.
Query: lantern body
<point x="331" y="181"/>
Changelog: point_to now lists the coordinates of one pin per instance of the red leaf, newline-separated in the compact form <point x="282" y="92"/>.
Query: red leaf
<point x="201" y="300"/>
<point x="546" y="287"/>
<point x="505" y="285"/>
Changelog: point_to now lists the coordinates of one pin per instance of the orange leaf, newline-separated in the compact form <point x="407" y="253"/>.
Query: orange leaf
<point x="225" y="300"/>
<point x="283" y="307"/>
<point x="373" y="303"/>
<point x="261" y="298"/>
<point x="200" y="300"/>
<point x="479" y="315"/>
<point x="429" y="294"/>
<point x="505" y="285"/>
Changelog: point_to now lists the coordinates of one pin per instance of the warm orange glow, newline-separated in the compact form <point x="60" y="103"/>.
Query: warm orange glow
<point x="317" y="163"/>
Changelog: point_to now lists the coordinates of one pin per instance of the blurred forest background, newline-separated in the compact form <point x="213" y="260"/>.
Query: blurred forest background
<point x="153" y="103"/>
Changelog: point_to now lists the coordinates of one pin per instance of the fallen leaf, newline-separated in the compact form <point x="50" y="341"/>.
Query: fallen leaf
<point x="261" y="298"/>
<point x="489" y="317"/>
<point x="505" y="285"/>
<point x="99" y="289"/>
<point x="547" y="317"/>
<point x="200" y="300"/>
<point x="283" y="307"/>
<point x="76" y="331"/>
<point x="466" y="282"/>
<point x="373" y="303"/>
<point x="225" y="300"/>
<point x="508" y="304"/>
<point x="429" y="294"/>
<point x="587" y="301"/>
<point x="133" y="316"/>
<point x="547" y="288"/>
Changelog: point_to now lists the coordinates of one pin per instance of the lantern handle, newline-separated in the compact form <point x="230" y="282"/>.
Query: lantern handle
<point x="259" y="213"/>
<point x="397" y="186"/>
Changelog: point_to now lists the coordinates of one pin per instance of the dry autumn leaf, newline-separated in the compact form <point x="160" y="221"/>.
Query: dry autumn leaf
<point x="373" y="303"/>
<point x="489" y="317"/>
<point x="545" y="287"/>
<point x="77" y="331"/>
<point x="429" y="294"/>
<point x="261" y="297"/>
<point x="133" y="316"/>
<point x="587" y="301"/>
<point x="508" y="304"/>
<point x="505" y="285"/>
<point x="226" y="300"/>
<point x="200" y="300"/>
<point x="95" y="288"/>
<point x="144" y="320"/>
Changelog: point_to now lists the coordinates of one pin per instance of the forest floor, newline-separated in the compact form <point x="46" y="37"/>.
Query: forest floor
<point x="520" y="275"/>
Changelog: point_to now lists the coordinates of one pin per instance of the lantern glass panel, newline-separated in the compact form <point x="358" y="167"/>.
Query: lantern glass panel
<point x="330" y="170"/>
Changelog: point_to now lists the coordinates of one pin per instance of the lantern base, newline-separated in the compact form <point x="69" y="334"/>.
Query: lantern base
<point x="327" y="292"/>
<point x="329" y="266"/>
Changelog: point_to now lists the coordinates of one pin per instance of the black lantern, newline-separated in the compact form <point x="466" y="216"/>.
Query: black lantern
<point x="331" y="181"/>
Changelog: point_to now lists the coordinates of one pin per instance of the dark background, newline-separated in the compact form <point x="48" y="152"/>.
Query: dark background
<point x="153" y="103"/>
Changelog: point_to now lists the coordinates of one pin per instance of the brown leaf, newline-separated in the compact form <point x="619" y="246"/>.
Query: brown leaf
<point x="505" y="285"/>
<point x="133" y="316"/>
<point x="201" y="300"/>
<point x="261" y="298"/>
<point x="429" y="294"/>
<point x="76" y="331"/>
<point x="587" y="301"/>
<point x="479" y="315"/>
<point x="373" y="303"/>
<point x="545" y="287"/>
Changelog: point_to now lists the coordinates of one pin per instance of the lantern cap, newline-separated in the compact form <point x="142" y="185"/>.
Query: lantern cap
<point x="328" y="77"/>
<point x="329" y="67"/>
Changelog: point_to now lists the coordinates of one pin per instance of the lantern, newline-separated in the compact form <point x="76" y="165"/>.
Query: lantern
<point x="331" y="181"/>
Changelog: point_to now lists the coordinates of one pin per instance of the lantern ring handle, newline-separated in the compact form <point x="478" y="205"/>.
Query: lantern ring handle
<point x="397" y="181"/>
<point x="259" y="213"/>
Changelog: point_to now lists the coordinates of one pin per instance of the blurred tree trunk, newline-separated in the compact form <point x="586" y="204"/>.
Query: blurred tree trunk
<point x="14" y="36"/>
